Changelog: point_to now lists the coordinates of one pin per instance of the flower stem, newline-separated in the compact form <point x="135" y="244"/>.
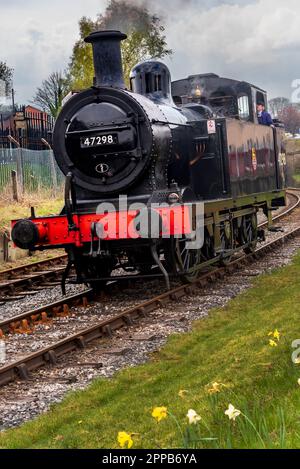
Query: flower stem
<point x="205" y="424"/>
<point x="254" y="427"/>
<point x="179" y="428"/>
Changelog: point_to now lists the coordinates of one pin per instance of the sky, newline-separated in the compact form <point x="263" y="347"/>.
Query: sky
<point x="252" y="40"/>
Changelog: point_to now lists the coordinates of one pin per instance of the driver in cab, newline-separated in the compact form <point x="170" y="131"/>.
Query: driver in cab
<point x="264" y="118"/>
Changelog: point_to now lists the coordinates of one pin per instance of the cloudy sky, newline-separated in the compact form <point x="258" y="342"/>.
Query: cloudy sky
<point x="253" y="40"/>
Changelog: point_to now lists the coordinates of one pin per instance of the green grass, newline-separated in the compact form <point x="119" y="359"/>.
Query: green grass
<point x="296" y="177"/>
<point x="231" y="346"/>
<point x="43" y="203"/>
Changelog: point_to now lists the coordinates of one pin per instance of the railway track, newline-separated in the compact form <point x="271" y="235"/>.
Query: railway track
<point x="24" y="322"/>
<point x="20" y="369"/>
<point x="26" y="280"/>
<point x="18" y="282"/>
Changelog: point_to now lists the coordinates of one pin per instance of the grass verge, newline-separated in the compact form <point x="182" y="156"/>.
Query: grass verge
<point x="44" y="204"/>
<point x="296" y="178"/>
<point x="231" y="347"/>
<point x="37" y="256"/>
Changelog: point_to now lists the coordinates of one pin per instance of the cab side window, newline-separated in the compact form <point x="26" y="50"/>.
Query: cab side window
<point x="260" y="98"/>
<point x="243" y="107"/>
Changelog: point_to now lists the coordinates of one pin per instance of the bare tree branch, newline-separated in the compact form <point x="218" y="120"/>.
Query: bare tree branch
<point x="51" y="93"/>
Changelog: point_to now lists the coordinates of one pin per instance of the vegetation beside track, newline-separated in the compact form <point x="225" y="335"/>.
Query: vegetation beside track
<point x="44" y="204"/>
<point x="296" y="178"/>
<point x="228" y="358"/>
<point x="37" y="256"/>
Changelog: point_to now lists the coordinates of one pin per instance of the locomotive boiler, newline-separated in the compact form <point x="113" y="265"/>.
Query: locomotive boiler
<point x="171" y="149"/>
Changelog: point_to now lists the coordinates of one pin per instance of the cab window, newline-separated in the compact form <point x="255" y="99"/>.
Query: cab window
<point x="243" y="106"/>
<point x="260" y="98"/>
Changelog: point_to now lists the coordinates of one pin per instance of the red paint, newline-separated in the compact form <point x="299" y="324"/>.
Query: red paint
<point x="54" y="230"/>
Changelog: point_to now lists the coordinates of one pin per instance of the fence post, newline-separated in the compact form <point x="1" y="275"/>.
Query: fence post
<point x="20" y="168"/>
<point x="15" y="185"/>
<point x="53" y="171"/>
<point x="6" y="239"/>
<point x="52" y="165"/>
<point x="20" y="165"/>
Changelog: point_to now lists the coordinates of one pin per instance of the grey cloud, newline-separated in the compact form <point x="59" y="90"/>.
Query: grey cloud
<point x="252" y="40"/>
<point x="35" y="35"/>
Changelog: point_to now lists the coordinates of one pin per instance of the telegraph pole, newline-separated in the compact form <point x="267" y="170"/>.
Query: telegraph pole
<point x="13" y="99"/>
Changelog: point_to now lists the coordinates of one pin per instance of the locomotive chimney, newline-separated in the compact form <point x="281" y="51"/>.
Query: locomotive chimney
<point x="107" y="57"/>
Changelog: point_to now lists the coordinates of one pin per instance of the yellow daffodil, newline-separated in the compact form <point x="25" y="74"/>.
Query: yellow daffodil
<point x="272" y="343"/>
<point x="125" y="440"/>
<point x="159" y="413"/>
<point x="182" y="393"/>
<point x="275" y="334"/>
<point x="232" y="412"/>
<point x="193" y="416"/>
<point x="215" y="387"/>
<point x="298" y="381"/>
<point x="297" y="361"/>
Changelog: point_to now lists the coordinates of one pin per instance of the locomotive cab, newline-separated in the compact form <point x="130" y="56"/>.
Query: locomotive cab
<point x="246" y="156"/>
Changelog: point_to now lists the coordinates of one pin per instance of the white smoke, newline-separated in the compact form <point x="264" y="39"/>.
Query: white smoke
<point x="252" y="40"/>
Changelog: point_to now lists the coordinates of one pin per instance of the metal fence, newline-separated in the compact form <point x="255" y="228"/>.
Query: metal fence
<point x="35" y="169"/>
<point x="27" y="128"/>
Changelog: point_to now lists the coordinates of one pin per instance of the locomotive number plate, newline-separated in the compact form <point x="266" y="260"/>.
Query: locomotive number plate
<point x="99" y="140"/>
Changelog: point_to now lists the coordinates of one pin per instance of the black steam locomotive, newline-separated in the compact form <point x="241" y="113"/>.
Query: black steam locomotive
<point x="171" y="149"/>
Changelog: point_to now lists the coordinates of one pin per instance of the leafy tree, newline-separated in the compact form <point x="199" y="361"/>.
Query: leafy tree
<point x="290" y="116"/>
<point x="277" y="105"/>
<point x="81" y="69"/>
<point x="145" y="40"/>
<point x="51" y="93"/>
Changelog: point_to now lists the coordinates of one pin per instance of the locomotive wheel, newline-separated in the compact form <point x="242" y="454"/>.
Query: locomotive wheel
<point x="251" y="233"/>
<point x="242" y="232"/>
<point x="143" y="261"/>
<point x="226" y="242"/>
<point x="94" y="269"/>
<point x="183" y="260"/>
<point x="208" y="250"/>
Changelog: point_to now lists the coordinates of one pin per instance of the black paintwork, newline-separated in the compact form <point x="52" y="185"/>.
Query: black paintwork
<point x="107" y="57"/>
<point x="160" y="142"/>
<point x="194" y="138"/>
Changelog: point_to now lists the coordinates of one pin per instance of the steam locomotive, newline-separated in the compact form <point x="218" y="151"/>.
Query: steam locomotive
<point x="176" y="150"/>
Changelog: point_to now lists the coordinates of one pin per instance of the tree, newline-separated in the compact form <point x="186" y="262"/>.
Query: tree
<point x="290" y="116"/>
<point x="51" y="93"/>
<point x="145" y="40"/>
<point x="6" y="75"/>
<point x="277" y="105"/>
